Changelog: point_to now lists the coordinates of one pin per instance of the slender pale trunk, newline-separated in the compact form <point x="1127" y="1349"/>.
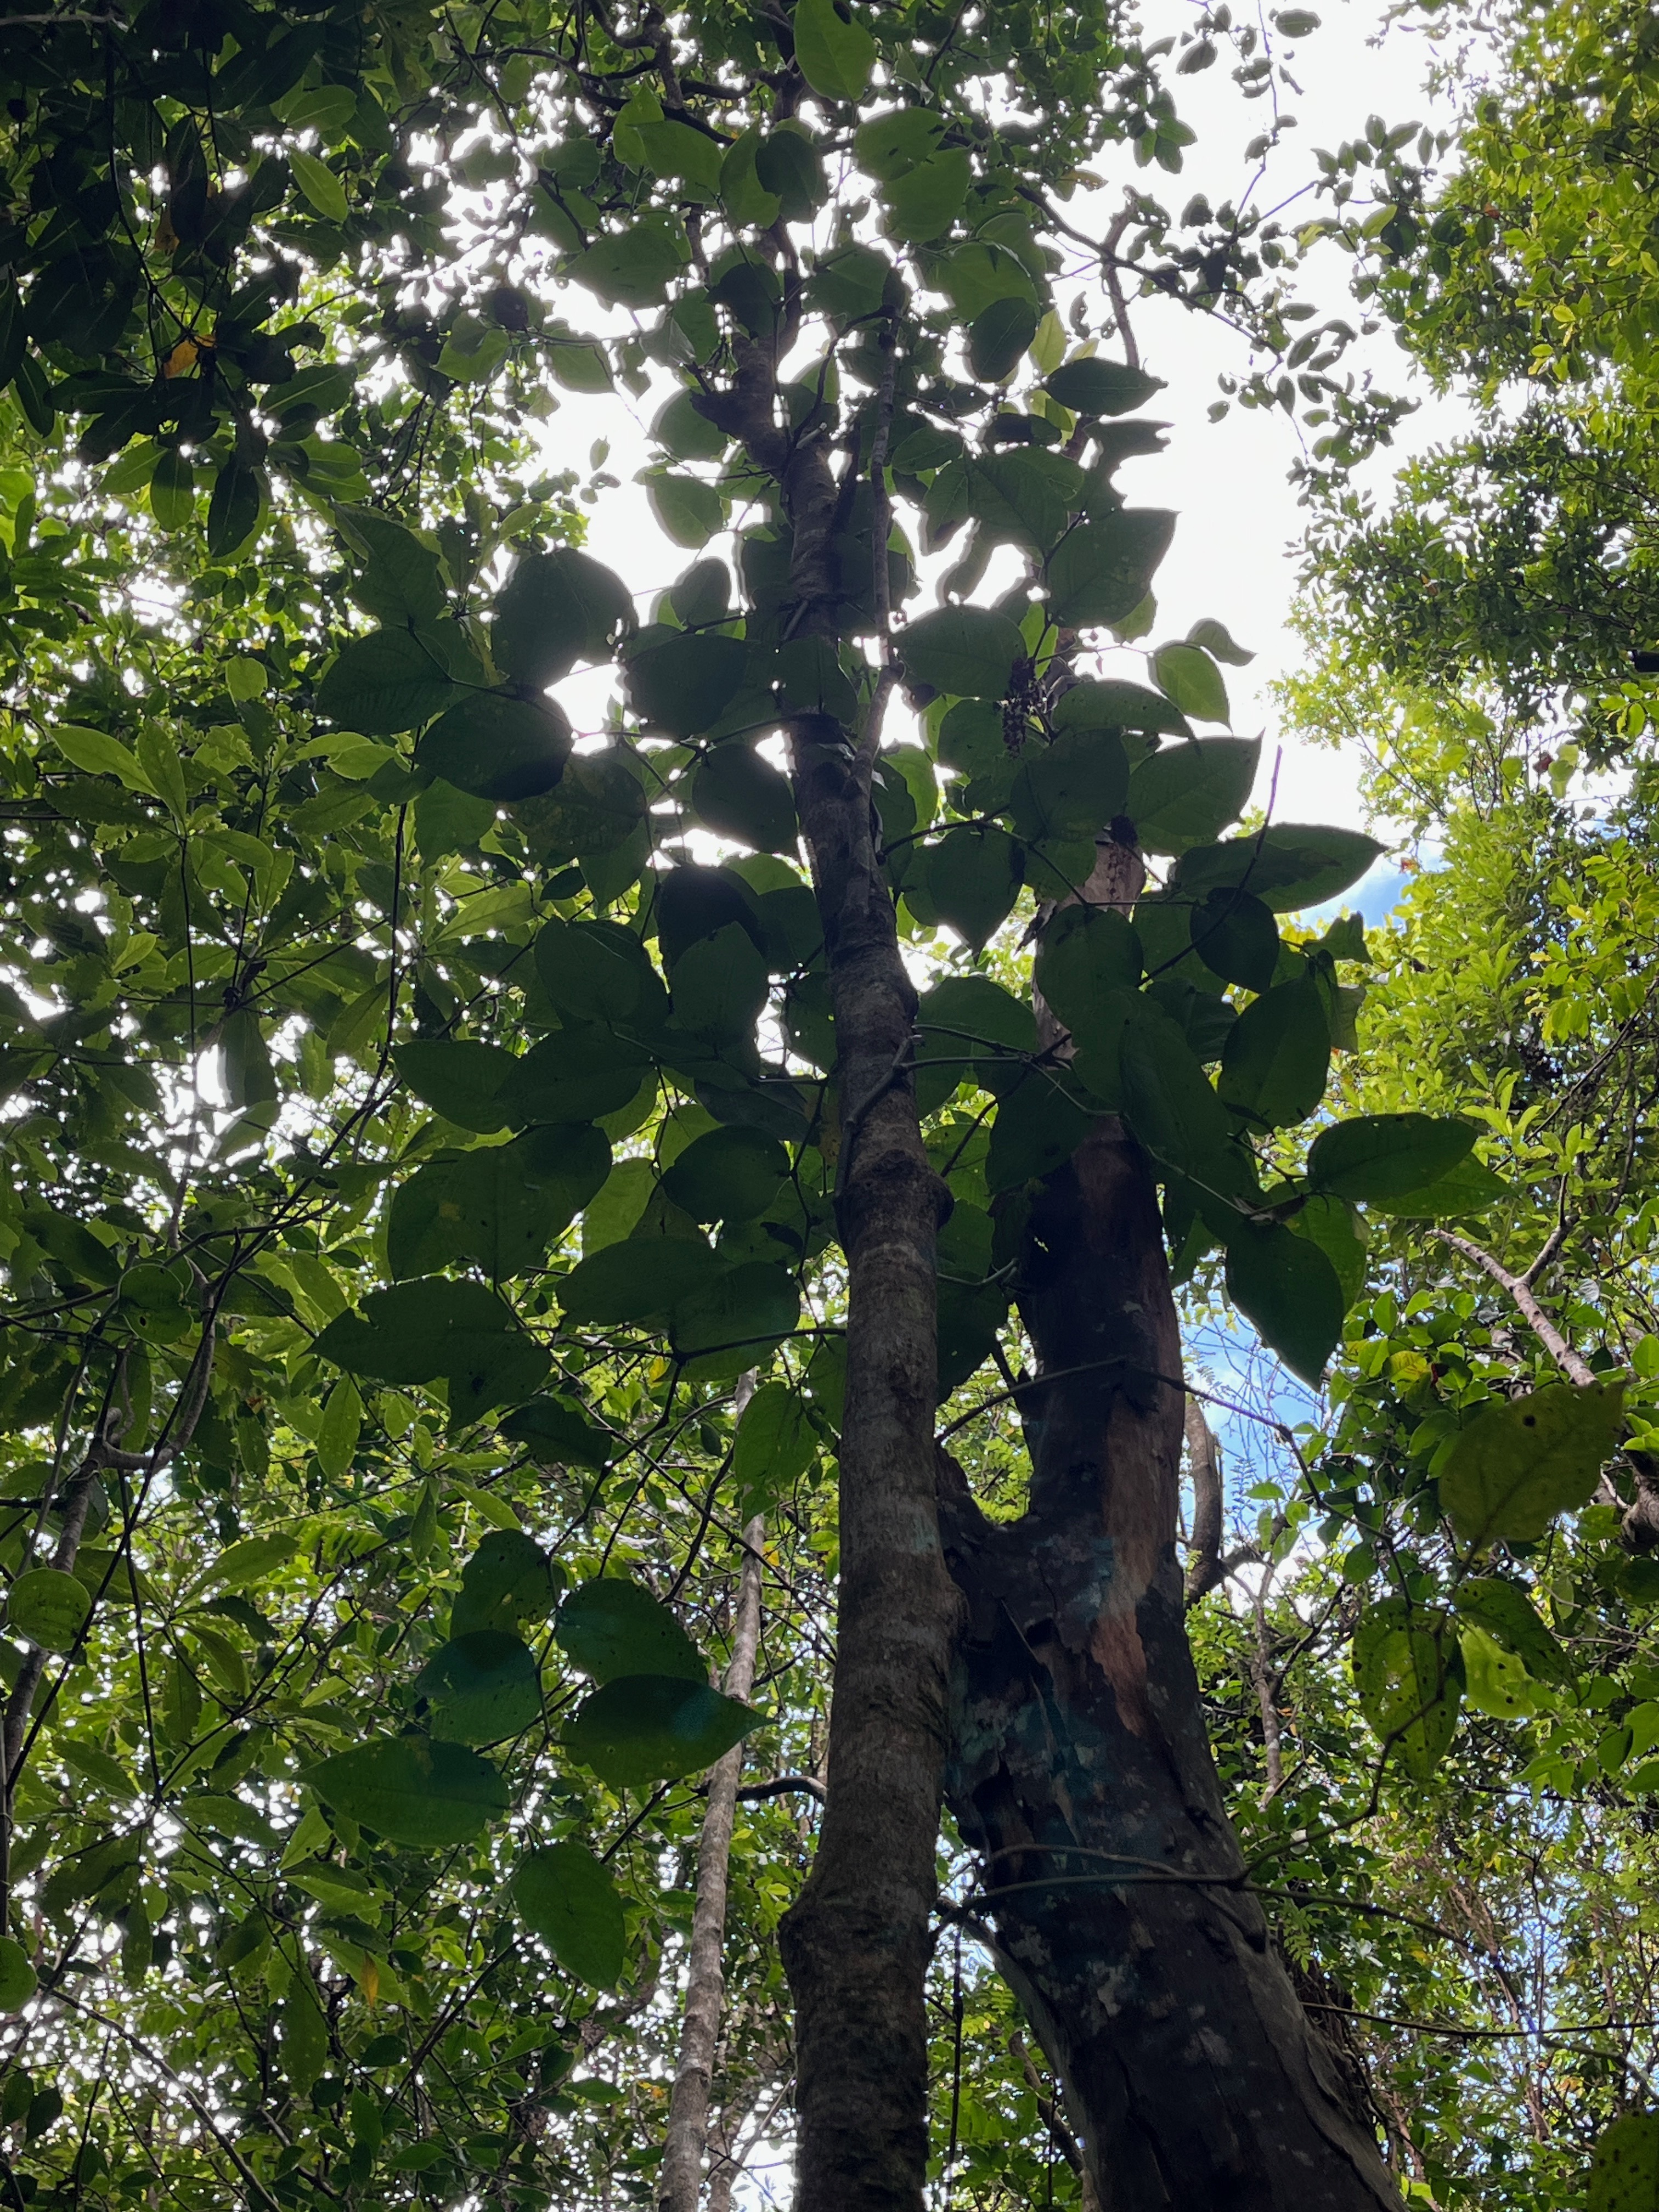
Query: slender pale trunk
<point x="680" y="2182"/>
<point x="856" y="1942"/>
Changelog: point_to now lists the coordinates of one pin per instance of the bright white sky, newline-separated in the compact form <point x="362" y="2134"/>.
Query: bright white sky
<point x="1234" y="553"/>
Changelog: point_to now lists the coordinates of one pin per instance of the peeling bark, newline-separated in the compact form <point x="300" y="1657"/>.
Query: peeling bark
<point x="1081" y="1772"/>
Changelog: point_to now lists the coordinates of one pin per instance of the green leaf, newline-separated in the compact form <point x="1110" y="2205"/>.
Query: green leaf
<point x="1101" y="571"/>
<point x="727" y="1175"/>
<point x="727" y="1324"/>
<point x="1101" y="387"/>
<point x="342" y="1424"/>
<point x="239" y="493"/>
<point x="1289" y="1289"/>
<point x="1493" y="1681"/>
<point x="1509" y="1615"/>
<point x="775" y="1445"/>
<point x="402" y="581"/>
<point x="551" y="1428"/>
<point x="835" y="54"/>
<point x="579" y="1072"/>
<point x="1188" y="793"/>
<point x="976" y="1030"/>
<point x="410" y="1789"/>
<point x="1237" y="938"/>
<point x="1287" y="865"/>
<point x="1387" y="1156"/>
<point x="507" y="1582"/>
<point x="684" y="156"/>
<point x="1469" y="1188"/>
<point x="501" y="1207"/>
<point x="50" y="1607"/>
<point x="1095" y="704"/>
<point x="304" y="2032"/>
<point x="1408" y="1674"/>
<point x="688" y="510"/>
<point x="893" y="144"/>
<point x="748" y="204"/>
<point x="927" y="199"/>
<point x="1216" y="640"/>
<point x="18" y="1980"/>
<point x="320" y="185"/>
<point x="414" y="1332"/>
<point x="99" y="754"/>
<point x="1085" y="954"/>
<point x="599" y="972"/>
<point x="558" y="607"/>
<point x="565" y="1896"/>
<point x="611" y="1627"/>
<point x="1624" y="2175"/>
<point x="386" y="683"/>
<point x="720" y="984"/>
<point x="967" y="651"/>
<point x="1072" y="788"/>
<point x="738" y="795"/>
<point x="480" y="1688"/>
<point x="638" y="1280"/>
<point x="1331" y="1224"/>
<point x="684" y="683"/>
<point x="655" y="1728"/>
<point x="970" y="880"/>
<point x="1521" y="1461"/>
<point x="1039" y="1125"/>
<point x="457" y="1078"/>
<point x="998" y="338"/>
<point x="1189" y="677"/>
<point x="172" y="490"/>
<point x="497" y="746"/>
<point x="1167" y="1098"/>
<point x="1278" y="1056"/>
<point x="633" y="268"/>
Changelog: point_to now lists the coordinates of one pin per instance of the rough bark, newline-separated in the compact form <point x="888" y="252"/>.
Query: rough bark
<point x="680" y="2182"/>
<point x="855" y="1944"/>
<point x="1081" y="1772"/>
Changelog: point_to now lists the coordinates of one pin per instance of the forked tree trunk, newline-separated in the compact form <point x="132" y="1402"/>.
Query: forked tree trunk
<point x="1081" y="1771"/>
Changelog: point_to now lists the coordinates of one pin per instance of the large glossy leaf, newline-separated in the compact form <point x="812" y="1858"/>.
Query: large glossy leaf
<point x="1072" y="788"/>
<point x="1236" y="938"/>
<point x="551" y="1428"/>
<point x="1039" y="1124"/>
<point x="457" y="1078"/>
<point x="684" y="683"/>
<point x="1093" y="387"/>
<point x="1168" y="1100"/>
<point x="969" y="880"/>
<point x="558" y="607"/>
<point x="580" y="1072"/>
<point x="1277" y="1058"/>
<point x="1187" y="675"/>
<point x="1408" y="1672"/>
<point x="969" y="1028"/>
<point x="595" y="808"/>
<point x="416" y="1331"/>
<point x="1469" y="1188"/>
<point x="727" y="1175"/>
<point x="390" y="681"/>
<point x="835" y="53"/>
<point x="636" y="1280"/>
<point x="1188" y="793"/>
<point x="501" y="1207"/>
<point x="610" y="1627"/>
<point x="1522" y="1460"/>
<point x="507" y="1582"/>
<point x="412" y="1790"/>
<point x="1289" y="1288"/>
<point x="1101" y="569"/>
<point x="738" y="1316"/>
<point x="720" y="984"/>
<point x="643" y="1729"/>
<point x="565" y="1896"/>
<point x="1387" y="1156"/>
<point x="1624" y="2175"/>
<point x="1505" y="1611"/>
<point x="480" y="1688"/>
<point x="743" y="797"/>
<point x="599" y="972"/>
<point x="496" y="746"/>
<point x="49" y="1608"/>
<point x="1287" y="865"/>
<point x="967" y="651"/>
<point x="775" y="1444"/>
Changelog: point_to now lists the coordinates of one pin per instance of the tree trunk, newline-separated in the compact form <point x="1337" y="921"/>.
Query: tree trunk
<point x="681" y="2183"/>
<point x="856" y="1942"/>
<point x="1081" y="1772"/>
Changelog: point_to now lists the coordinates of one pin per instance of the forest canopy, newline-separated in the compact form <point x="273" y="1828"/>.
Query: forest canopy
<point x="586" y="1168"/>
